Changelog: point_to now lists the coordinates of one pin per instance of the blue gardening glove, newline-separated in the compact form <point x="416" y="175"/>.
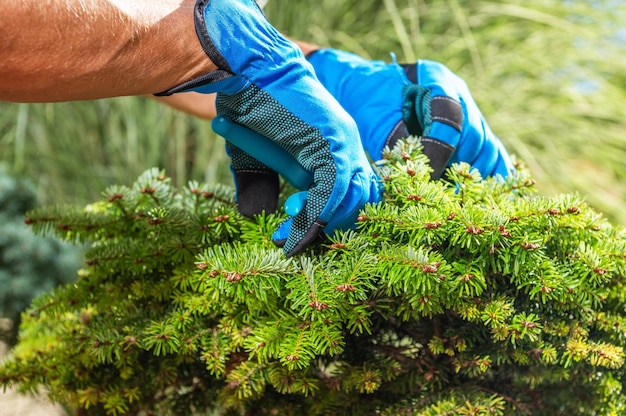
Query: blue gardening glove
<point x="391" y="101"/>
<point x="241" y="142"/>
<point x="265" y="83"/>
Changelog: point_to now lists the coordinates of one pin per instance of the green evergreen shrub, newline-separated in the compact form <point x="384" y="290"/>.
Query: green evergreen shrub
<point x="29" y="264"/>
<point x="459" y="297"/>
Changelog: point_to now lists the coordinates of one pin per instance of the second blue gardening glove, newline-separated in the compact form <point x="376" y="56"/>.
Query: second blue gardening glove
<point x="265" y="84"/>
<point x="391" y="101"/>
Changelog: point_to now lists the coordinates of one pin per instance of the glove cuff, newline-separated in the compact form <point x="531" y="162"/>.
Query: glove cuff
<point x="223" y="79"/>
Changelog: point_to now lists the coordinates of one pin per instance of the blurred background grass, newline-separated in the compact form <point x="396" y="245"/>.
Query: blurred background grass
<point x="549" y="75"/>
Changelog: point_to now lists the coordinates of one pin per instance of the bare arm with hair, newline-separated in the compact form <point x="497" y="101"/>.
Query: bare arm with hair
<point x="62" y="50"/>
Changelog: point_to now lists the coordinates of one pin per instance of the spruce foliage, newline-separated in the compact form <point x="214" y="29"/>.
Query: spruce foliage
<point x="458" y="297"/>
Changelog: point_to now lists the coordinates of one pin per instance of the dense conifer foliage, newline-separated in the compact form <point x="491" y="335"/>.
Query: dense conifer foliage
<point x="464" y="296"/>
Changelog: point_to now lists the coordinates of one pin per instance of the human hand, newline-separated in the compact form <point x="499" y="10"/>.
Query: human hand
<point x="265" y="84"/>
<point x="391" y="101"/>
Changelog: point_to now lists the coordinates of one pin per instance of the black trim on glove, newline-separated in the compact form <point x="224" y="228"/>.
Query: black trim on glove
<point x="257" y="191"/>
<point x="399" y="132"/>
<point x="438" y="153"/>
<point x="314" y="235"/>
<point x="447" y="111"/>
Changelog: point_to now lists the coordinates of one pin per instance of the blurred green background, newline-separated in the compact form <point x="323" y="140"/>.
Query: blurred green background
<point x="549" y="75"/>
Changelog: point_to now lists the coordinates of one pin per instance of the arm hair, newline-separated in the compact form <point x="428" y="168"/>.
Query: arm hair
<point x="61" y="50"/>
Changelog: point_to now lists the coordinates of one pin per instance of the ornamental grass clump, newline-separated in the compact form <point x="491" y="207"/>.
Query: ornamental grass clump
<point x="464" y="296"/>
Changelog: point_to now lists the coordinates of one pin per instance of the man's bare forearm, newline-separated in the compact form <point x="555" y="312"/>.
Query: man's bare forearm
<point x="62" y="50"/>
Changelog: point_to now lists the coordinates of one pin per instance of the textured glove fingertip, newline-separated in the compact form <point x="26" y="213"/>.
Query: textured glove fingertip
<point x="279" y="242"/>
<point x="281" y="236"/>
<point x="313" y="235"/>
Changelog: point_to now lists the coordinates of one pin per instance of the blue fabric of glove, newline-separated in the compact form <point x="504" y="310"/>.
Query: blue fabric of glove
<point x="391" y="101"/>
<point x="265" y="83"/>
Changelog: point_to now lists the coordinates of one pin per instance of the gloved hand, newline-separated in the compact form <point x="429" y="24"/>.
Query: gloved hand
<point x="391" y="101"/>
<point x="261" y="189"/>
<point x="265" y="83"/>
